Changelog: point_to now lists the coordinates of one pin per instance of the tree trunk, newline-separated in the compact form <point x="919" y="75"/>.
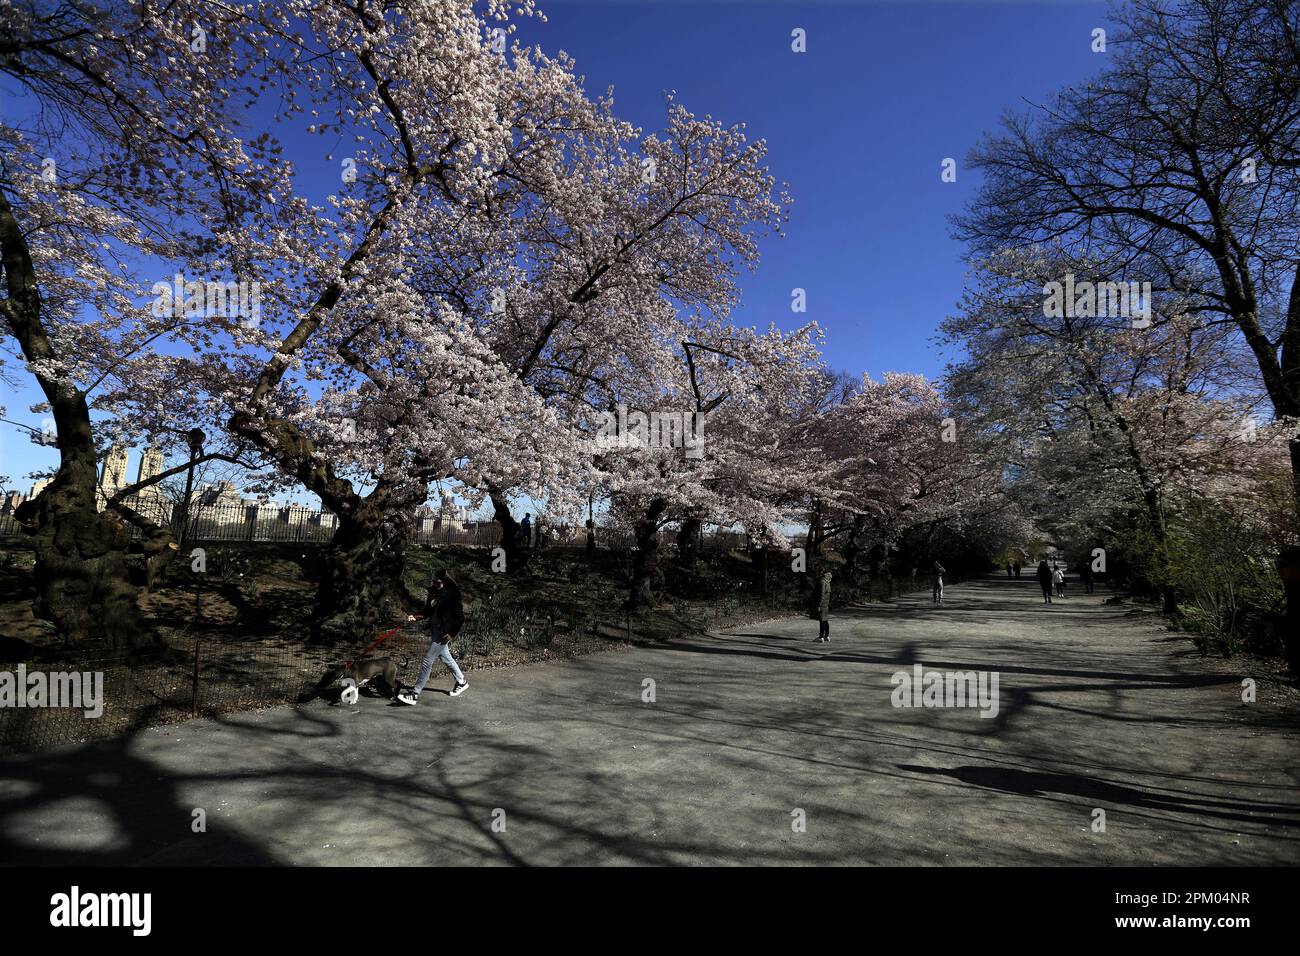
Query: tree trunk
<point x="853" y="548"/>
<point x="82" y="585"/>
<point x="813" y="541"/>
<point x="360" y="589"/>
<point x="1168" y="596"/>
<point x="688" y="543"/>
<point x="360" y="576"/>
<point x="516" y="554"/>
<point x="645" y="558"/>
<point x="157" y="544"/>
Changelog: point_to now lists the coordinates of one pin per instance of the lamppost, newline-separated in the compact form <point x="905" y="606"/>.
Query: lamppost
<point x="195" y="437"/>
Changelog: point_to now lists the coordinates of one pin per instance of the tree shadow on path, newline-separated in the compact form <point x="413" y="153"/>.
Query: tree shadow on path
<point x="1032" y="783"/>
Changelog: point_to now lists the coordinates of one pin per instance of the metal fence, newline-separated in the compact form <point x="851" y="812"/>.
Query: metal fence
<point x="298" y="525"/>
<point x="281" y="523"/>
<point x="207" y="676"/>
<point x="212" y="675"/>
<point x="195" y="677"/>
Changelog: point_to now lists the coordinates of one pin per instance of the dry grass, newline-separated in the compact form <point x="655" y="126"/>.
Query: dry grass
<point x="246" y="618"/>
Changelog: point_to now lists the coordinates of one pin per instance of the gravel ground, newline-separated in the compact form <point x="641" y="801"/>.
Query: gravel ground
<point x="760" y="746"/>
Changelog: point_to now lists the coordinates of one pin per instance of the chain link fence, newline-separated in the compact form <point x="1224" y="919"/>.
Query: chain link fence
<point x="208" y="676"/>
<point x="214" y="674"/>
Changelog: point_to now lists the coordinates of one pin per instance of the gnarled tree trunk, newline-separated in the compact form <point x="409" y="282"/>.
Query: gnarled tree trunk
<point x="360" y="588"/>
<point x="645" y="559"/>
<point x="360" y="584"/>
<point x="516" y="554"/>
<point x="157" y="543"/>
<point x="82" y="584"/>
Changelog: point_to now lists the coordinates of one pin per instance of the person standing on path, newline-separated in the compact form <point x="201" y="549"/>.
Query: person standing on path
<point x="937" y="572"/>
<point x="446" y="615"/>
<point x="1008" y="570"/>
<point x="1044" y="575"/>
<point x="1087" y="576"/>
<point x="1016" y="566"/>
<point x="824" y="608"/>
<point x="1058" y="578"/>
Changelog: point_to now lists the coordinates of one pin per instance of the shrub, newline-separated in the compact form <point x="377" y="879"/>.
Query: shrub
<point x="1222" y="565"/>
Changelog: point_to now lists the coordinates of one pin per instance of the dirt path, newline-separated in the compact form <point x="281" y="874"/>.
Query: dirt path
<point x="1098" y="708"/>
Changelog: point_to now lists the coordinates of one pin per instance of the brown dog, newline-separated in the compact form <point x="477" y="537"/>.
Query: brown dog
<point x="362" y="673"/>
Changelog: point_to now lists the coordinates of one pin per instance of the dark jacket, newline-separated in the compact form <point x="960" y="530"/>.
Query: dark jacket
<point x="444" y="612"/>
<point x="824" y="599"/>
<point x="1044" y="573"/>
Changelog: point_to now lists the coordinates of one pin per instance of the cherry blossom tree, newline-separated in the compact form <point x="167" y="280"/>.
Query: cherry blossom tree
<point x="638" y="229"/>
<point x="735" y="396"/>
<point x="893" y="458"/>
<point x="118" y="137"/>
<point x="493" y="205"/>
<point x="501" y="259"/>
<point x="499" y="244"/>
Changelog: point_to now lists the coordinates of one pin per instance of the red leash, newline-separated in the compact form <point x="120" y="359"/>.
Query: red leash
<point x="379" y="640"/>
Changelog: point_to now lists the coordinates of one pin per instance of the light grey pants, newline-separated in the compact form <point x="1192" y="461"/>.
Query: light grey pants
<point x="437" y="649"/>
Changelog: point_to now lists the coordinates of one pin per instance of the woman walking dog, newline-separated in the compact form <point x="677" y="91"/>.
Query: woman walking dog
<point x="446" y="615"/>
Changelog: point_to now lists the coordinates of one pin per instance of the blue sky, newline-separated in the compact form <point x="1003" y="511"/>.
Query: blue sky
<point x="858" y="125"/>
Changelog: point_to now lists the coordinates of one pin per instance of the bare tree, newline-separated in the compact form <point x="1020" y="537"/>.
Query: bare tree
<point x="1181" y="160"/>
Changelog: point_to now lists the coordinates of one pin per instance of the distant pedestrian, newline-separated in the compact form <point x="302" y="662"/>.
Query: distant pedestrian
<point x="1058" y="578"/>
<point x="1087" y="577"/>
<point x="824" y="608"/>
<point x="526" y="531"/>
<point x="937" y="572"/>
<point x="1016" y="565"/>
<point x="1008" y="569"/>
<point x="1044" y="575"/>
<point x="445" y="612"/>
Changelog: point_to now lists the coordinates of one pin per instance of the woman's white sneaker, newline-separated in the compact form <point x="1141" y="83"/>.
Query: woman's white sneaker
<point x="458" y="689"/>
